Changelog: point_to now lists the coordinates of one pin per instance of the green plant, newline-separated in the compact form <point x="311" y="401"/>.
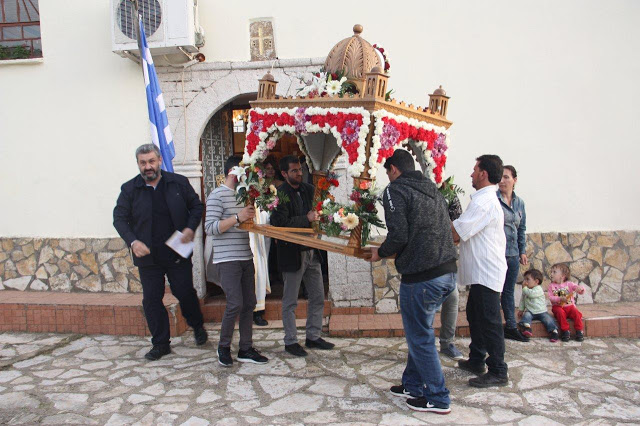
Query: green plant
<point x="14" y="52"/>
<point x="450" y="190"/>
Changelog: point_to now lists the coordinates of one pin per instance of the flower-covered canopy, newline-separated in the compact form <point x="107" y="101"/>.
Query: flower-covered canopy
<point x="350" y="128"/>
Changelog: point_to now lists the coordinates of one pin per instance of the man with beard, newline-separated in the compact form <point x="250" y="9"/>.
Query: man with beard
<point x="298" y="262"/>
<point x="150" y="208"/>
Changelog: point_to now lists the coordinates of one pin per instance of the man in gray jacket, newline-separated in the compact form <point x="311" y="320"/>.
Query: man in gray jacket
<point x="419" y="235"/>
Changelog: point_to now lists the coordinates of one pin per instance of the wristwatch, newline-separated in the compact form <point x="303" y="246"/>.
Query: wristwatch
<point x="238" y="219"/>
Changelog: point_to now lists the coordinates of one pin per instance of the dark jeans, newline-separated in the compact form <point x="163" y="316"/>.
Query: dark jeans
<point x="237" y="279"/>
<point x="507" y="301"/>
<point x="181" y="284"/>
<point x="418" y="304"/>
<point x="485" y="326"/>
<point x="545" y="318"/>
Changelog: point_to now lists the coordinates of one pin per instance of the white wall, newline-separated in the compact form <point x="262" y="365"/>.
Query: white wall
<point x="551" y="87"/>
<point x="69" y="127"/>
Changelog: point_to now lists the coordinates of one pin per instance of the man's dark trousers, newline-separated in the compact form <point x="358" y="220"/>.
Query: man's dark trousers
<point x="485" y="326"/>
<point x="178" y="272"/>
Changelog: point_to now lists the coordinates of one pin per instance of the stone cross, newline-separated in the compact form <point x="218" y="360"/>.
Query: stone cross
<point x="261" y="40"/>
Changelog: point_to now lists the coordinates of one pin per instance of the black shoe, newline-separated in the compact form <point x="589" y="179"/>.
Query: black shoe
<point x="476" y="369"/>
<point x="421" y="404"/>
<point x="224" y="357"/>
<point x="259" y="320"/>
<point x="252" y="355"/>
<point x="319" y="343"/>
<point x="565" y="336"/>
<point x="295" y="350"/>
<point x="157" y="352"/>
<point x="514" y="334"/>
<point x="400" y="391"/>
<point x="579" y="336"/>
<point x="201" y="336"/>
<point x="487" y="380"/>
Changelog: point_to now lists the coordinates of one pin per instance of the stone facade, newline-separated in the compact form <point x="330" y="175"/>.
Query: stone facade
<point x="67" y="265"/>
<point x="606" y="263"/>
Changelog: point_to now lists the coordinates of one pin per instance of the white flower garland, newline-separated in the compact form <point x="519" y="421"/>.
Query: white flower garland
<point x="422" y="146"/>
<point x="276" y="130"/>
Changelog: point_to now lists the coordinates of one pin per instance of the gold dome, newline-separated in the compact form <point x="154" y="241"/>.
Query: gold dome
<point x="354" y="55"/>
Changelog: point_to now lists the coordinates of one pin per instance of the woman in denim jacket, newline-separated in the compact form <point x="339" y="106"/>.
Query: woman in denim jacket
<point x="514" y="228"/>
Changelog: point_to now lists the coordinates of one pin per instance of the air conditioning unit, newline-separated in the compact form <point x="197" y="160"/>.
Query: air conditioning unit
<point x="170" y="26"/>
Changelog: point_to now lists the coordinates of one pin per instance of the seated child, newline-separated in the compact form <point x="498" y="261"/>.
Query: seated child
<point x="561" y="294"/>
<point x="533" y="305"/>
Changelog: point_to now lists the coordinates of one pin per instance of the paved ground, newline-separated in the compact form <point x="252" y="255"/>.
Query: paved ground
<point x="56" y="379"/>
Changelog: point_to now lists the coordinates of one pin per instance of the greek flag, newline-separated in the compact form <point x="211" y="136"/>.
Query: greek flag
<point x="160" y="131"/>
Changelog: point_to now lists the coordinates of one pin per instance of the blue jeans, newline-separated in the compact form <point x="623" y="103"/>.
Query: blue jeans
<point x="506" y="299"/>
<point x="418" y="304"/>
<point x="544" y="318"/>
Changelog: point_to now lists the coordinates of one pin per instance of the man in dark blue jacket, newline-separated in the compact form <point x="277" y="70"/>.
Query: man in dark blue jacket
<point x="150" y="208"/>
<point x="419" y="235"/>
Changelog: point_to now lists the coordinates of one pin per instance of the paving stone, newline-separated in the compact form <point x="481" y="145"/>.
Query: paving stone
<point x="120" y="419"/>
<point x="329" y="386"/>
<point x="534" y="377"/>
<point x="18" y="401"/>
<point x="239" y="389"/>
<point x="7" y="376"/>
<point x="244" y="406"/>
<point x="617" y="408"/>
<point x="68" y="401"/>
<point x="277" y="386"/>
<point x="297" y="403"/>
<point x="537" y="421"/>
<point x="459" y="415"/>
<point x="68" y="419"/>
<point x="110" y="406"/>
<point x="196" y="421"/>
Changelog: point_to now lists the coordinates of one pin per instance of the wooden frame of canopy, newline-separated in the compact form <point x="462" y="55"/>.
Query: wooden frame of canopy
<point x="415" y="121"/>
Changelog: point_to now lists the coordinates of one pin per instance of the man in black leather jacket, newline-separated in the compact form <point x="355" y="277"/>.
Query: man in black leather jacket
<point x="150" y="208"/>
<point x="297" y="262"/>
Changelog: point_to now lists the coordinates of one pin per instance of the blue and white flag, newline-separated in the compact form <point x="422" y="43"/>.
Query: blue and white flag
<point x="160" y="131"/>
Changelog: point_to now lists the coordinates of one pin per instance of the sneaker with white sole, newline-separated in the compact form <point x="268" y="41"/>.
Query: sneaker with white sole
<point x="451" y="351"/>
<point x="400" y="391"/>
<point x="252" y="355"/>
<point x="421" y="404"/>
<point x="224" y="356"/>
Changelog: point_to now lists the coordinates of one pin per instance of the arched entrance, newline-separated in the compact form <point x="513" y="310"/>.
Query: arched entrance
<point x="225" y="135"/>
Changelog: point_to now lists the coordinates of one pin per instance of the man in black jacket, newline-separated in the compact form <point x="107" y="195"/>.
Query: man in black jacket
<point x="419" y="235"/>
<point x="150" y="208"/>
<point x="297" y="262"/>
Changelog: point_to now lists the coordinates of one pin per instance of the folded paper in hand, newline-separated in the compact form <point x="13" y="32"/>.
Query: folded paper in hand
<point x="176" y="244"/>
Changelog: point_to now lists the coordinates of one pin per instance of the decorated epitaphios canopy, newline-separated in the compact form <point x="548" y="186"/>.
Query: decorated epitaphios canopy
<point x="347" y="109"/>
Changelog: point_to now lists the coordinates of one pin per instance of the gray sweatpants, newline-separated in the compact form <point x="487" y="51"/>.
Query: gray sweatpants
<point x="237" y="279"/>
<point x="312" y="273"/>
<point x="448" y="318"/>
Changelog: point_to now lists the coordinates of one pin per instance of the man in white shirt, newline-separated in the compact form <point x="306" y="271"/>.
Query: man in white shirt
<point x="480" y="231"/>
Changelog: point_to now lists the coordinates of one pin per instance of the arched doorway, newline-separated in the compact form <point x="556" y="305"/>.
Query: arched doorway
<point x="224" y="135"/>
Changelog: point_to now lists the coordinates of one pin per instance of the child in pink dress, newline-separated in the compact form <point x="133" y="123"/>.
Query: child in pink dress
<point x="562" y="296"/>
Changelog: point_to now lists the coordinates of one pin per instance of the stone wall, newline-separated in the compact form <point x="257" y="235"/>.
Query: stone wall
<point x="606" y="263"/>
<point x="67" y="265"/>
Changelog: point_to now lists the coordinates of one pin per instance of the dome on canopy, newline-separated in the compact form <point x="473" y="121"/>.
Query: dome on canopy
<point x="354" y="55"/>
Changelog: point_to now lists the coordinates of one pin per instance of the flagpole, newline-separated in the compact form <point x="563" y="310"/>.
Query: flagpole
<point x="136" y="23"/>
